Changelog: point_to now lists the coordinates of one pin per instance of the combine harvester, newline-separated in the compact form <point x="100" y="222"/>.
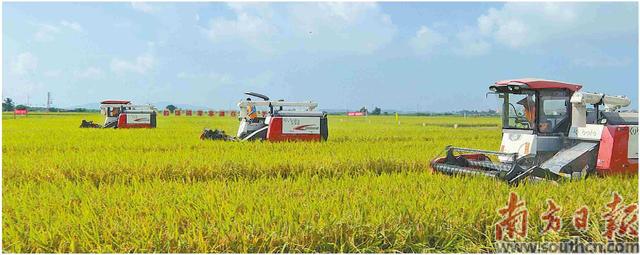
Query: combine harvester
<point x="551" y="130"/>
<point x="285" y="121"/>
<point x="123" y="114"/>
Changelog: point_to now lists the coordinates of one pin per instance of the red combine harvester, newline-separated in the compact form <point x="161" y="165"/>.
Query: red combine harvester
<point x="284" y="121"/>
<point x="122" y="114"/>
<point x="552" y="130"/>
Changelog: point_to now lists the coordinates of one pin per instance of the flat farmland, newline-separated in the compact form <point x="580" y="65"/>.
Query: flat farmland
<point x="367" y="189"/>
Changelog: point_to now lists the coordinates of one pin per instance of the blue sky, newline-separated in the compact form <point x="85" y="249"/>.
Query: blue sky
<point x="404" y="56"/>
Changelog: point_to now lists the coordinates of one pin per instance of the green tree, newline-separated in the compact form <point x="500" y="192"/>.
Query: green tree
<point x="171" y="108"/>
<point x="7" y="105"/>
<point x="376" y="111"/>
<point x="21" y="107"/>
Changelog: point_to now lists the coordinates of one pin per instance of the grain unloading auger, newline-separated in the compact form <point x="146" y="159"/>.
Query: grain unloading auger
<point x="123" y="114"/>
<point x="551" y="130"/>
<point x="284" y="121"/>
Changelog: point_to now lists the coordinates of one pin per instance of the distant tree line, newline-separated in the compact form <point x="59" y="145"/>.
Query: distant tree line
<point x="8" y="106"/>
<point x="378" y="111"/>
<point x="463" y="113"/>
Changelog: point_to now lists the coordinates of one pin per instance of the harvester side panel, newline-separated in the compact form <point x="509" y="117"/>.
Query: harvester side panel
<point x="275" y="132"/>
<point x="137" y="120"/>
<point x="613" y="152"/>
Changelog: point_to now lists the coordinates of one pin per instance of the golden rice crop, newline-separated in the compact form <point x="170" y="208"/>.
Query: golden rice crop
<point x="367" y="189"/>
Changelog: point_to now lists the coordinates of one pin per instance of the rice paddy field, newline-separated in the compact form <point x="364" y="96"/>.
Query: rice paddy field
<point x="367" y="189"/>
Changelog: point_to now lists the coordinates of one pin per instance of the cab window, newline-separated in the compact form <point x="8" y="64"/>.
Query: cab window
<point x="554" y="113"/>
<point x="520" y="110"/>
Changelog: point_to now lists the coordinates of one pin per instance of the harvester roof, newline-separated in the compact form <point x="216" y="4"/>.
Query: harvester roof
<point x="115" y="102"/>
<point x="536" y="84"/>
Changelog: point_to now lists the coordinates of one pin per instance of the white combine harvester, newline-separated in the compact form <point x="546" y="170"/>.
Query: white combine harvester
<point x="123" y="114"/>
<point x="285" y="121"/>
<point x="552" y="130"/>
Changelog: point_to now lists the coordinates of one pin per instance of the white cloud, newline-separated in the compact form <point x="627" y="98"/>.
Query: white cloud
<point x="25" y="63"/>
<point x="426" y="40"/>
<point x="89" y="73"/>
<point x="143" y="7"/>
<point x="46" y="32"/>
<point x="347" y="27"/>
<point x="140" y="65"/>
<point x="519" y="25"/>
<point x="341" y="27"/>
<point x="247" y="27"/>
<point x="537" y="25"/>
<point x="72" y="25"/>
<point x="470" y="44"/>
<point x="261" y="9"/>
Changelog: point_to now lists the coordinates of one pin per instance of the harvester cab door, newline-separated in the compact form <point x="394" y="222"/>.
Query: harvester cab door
<point x="111" y="112"/>
<point x="554" y="112"/>
<point x="519" y="110"/>
<point x="519" y="120"/>
<point x="253" y="125"/>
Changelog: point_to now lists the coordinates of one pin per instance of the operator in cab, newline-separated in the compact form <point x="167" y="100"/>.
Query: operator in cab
<point x="529" y="109"/>
<point x="115" y="111"/>
<point x="529" y="105"/>
<point x="251" y="111"/>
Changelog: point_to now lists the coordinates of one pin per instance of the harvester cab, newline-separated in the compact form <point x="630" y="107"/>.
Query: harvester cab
<point x="284" y="121"/>
<point x="551" y="130"/>
<point x="123" y="114"/>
